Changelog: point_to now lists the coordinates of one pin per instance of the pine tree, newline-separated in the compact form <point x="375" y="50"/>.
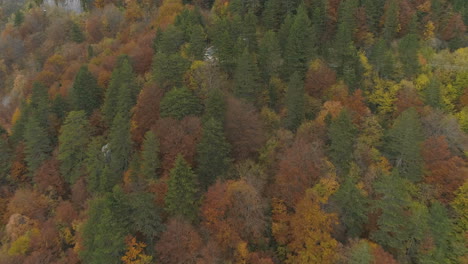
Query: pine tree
<point x="342" y="133"/>
<point x="246" y="77"/>
<point x="73" y="141"/>
<point x="85" y="93"/>
<point x="37" y="143"/>
<point x="352" y="203"/>
<point x="181" y="197"/>
<point x="179" y="103"/>
<point x="295" y="102"/>
<point x="404" y="141"/>
<point x="298" y="49"/>
<point x="269" y="56"/>
<point x="212" y="154"/>
<point x="150" y="161"/>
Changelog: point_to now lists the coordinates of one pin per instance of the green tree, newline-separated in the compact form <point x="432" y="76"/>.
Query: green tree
<point x="120" y="144"/>
<point x="215" y="106"/>
<point x="180" y="102"/>
<point x="249" y="31"/>
<point x="37" y="143"/>
<point x="408" y="54"/>
<point x="390" y="27"/>
<point x="96" y="163"/>
<point x="168" y="69"/>
<point x="122" y="91"/>
<point x="403" y="144"/>
<point x="85" y="93"/>
<point x="246" y="77"/>
<point x="383" y="59"/>
<point x="212" y="153"/>
<point x="150" y="161"/>
<point x="5" y="157"/>
<point x="76" y="34"/>
<point x="181" y="197"/>
<point x="299" y="45"/>
<point x="19" y="18"/>
<point x="394" y="200"/>
<point x="352" y="203"/>
<point x="342" y="133"/>
<point x="144" y="216"/>
<point x="295" y="102"/>
<point x="105" y="229"/>
<point x="73" y="141"/>
<point x="197" y="42"/>
<point x="269" y="56"/>
<point x="273" y="14"/>
<point x="432" y="94"/>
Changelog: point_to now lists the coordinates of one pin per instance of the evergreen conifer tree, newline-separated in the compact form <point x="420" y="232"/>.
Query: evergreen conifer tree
<point x="246" y="77"/>
<point x="298" y="49"/>
<point x="342" y="133"/>
<point x="212" y="153"/>
<point x="85" y="93"/>
<point x="179" y="103"/>
<point x="295" y="102"/>
<point x="181" y="197"/>
<point x="150" y="161"/>
<point x="73" y="141"/>
<point x="404" y="141"/>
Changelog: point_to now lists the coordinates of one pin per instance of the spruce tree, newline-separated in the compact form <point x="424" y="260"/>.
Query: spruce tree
<point x="179" y="103"/>
<point x="408" y="54"/>
<point x="403" y="144"/>
<point x="298" y="49"/>
<point x="168" y="69"/>
<point x="85" y="93"/>
<point x="246" y="77"/>
<point x="352" y="203"/>
<point x="96" y="162"/>
<point x="150" y="161"/>
<point x="295" y="102"/>
<point x="120" y="144"/>
<point x="342" y="133"/>
<point x="122" y="91"/>
<point x="432" y="94"/>
<point x="215" y="106"/>
<point x="76" y="34"/>
<point x="391" y="21"/>
<point x="37" y="143"/>
<point x="212" y="154"/>
<point x="181" y="197"/>
<point x="73" y="141"/>
<point x="249" y="31"/>
<point x="104" y="231"/>
<point x="5" y="157"/>
<point x="273" y="14"/>
<point x="269" y="56"/>
<point x="197" y="42"/>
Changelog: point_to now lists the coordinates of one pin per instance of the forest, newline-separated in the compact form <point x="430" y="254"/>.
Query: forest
<point x="234" y="132"/>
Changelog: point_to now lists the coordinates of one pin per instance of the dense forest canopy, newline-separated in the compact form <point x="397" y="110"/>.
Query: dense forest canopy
<point x="234" y="131"/>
